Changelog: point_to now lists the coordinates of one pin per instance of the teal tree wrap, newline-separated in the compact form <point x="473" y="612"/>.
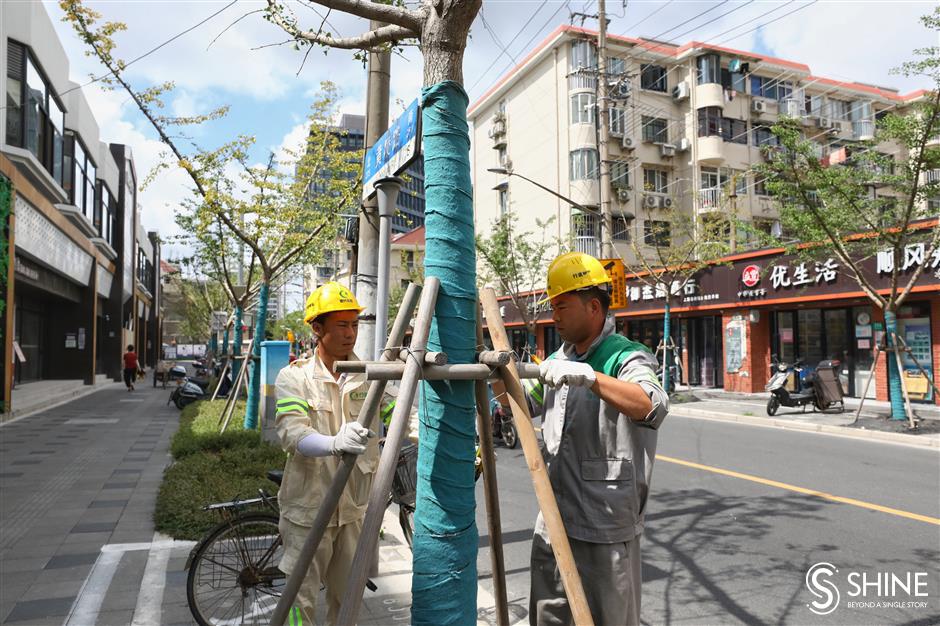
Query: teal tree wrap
<point x="254" y="388"/>
<point x="444" y="585"/>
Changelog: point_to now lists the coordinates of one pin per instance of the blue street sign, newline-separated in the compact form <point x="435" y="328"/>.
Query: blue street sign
<point x="394" y="150"/>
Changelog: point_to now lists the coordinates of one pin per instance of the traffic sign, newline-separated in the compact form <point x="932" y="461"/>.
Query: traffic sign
<point x="618" y="282"/>
<point x="394" y="151"/>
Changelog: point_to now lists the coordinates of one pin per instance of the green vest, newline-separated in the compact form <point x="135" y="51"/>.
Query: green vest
<point x="609" y="354"/>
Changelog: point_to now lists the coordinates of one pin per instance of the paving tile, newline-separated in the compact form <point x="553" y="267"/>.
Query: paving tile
<point x="115" y="618"/>
<point x="98" y="527"/>
<point x="9" y="567"/>
<point x="119" y="485"/>
<point x="37" y="452"/>
<point x="71" y="560"/>
<point x="107" y="504"/>
<point x="31" y="462"/>
<point x="126" y="471"/>
<point x="10" y="474"/>
<point x="40" y="609"/>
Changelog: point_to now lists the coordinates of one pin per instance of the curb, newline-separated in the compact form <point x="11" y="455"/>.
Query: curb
<point x="924" y="441"/>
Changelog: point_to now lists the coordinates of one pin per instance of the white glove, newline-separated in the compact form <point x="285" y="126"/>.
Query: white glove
<point x="558" y="372"/>
<point x="352" y="437"/>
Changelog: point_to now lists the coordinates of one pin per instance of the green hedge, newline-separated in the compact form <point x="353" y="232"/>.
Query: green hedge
<point x="211" y="467"/>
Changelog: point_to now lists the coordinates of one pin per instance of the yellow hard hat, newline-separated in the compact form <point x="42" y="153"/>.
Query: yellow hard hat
<point x="329" y="298"/>
<point x="572" y="271"/>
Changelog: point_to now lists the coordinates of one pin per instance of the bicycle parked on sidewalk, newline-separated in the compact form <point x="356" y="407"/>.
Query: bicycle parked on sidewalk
<point x="233" y="570"/>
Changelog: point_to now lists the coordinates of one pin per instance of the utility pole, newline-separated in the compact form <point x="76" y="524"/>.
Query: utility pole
<point x="603" y="165"/>
<point x="367" y="256"/>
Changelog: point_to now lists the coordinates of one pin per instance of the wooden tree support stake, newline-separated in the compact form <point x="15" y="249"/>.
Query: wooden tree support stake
<point x="491" y="488"/>
<point x="558" y="538"/>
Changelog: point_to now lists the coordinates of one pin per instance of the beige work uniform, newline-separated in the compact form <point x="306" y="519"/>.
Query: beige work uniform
<point x="311" y="400"/>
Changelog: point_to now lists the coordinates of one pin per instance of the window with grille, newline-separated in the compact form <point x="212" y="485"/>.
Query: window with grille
<point x="655" y="129"/>
<point x="656" y="181"/>
<point x="657" y="233"/>
<point x="620" y="174"/>
<point x="653" y="77"/>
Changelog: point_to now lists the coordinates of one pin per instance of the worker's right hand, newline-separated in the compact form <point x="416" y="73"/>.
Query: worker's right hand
<point x="352" y="437"/>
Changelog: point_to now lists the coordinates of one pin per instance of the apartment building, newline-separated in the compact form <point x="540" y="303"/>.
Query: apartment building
<point x="687" y="125"/>
<point x="82" y="282"/>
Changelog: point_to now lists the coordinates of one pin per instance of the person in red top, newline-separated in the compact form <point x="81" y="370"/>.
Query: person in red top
<point x="130" y="367"/>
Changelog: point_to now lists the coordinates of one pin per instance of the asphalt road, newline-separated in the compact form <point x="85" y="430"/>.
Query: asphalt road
<point x="734" y="545"/>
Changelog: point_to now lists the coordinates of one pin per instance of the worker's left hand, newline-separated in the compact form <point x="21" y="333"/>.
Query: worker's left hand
<point x="558" y="372"/>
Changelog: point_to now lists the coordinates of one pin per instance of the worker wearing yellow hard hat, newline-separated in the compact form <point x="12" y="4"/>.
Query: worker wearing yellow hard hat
<point x="601" y="405"/>
<point x="318" y="421"/>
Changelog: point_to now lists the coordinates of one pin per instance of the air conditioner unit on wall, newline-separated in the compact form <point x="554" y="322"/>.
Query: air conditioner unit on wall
<point x="825" y="122"/>
<point x="683" y="145"/>
<point x="623" y="195"/>
<point x="759" y="106"/>
<point x="629" y="143"/>
<point x="681" y="91"/>
<point x="620" y="89"/>
<point x="667" y="150"/>
<point x="652" y="202"/>
<point x="666" y="202"/>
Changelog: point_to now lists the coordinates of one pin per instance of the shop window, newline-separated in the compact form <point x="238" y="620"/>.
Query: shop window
<point x="552" y="340"/>
<point x="653" y="77"/>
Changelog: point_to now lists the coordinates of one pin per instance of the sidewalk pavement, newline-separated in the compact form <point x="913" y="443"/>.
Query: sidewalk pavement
<point x="78" y="484"/>
<point x="751" y="408"/>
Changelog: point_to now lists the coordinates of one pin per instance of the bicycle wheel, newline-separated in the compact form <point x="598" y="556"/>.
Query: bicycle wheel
<point x="234" y="578"/>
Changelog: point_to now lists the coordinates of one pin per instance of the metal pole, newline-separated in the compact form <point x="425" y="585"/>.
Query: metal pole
<point x="348" y="461"/>
<point x="382" y="483"/>
<point x="558" y="538"/>
<point x="603" y="179"/>
<point x="458" y="371"/>
<point x="377" y="91"/>
<point x="387" y="190"/>
<point x="491" y="488"/>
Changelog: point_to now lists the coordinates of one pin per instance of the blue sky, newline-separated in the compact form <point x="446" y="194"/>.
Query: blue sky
<point x="859" y="40"/>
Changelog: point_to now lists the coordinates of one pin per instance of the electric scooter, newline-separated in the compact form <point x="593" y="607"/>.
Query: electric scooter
<point x="780" y="395"/>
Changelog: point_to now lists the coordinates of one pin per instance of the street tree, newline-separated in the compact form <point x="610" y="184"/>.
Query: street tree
<point x="279" y="210"/>
<point x="871" y="199"/>
<point x="445" y="544"/>
<point x="516" y="262"/>
<point x="674" y="247"/>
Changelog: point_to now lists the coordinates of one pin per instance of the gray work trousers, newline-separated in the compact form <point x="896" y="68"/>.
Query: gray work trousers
<point x="610" y="574"/>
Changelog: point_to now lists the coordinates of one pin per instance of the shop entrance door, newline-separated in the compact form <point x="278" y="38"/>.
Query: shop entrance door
<point x="838" y="345"/>
<point x="705" y="355"/>
<point x="29" y="333"/>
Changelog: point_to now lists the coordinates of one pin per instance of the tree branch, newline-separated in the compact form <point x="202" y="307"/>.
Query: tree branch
<point x="366" y="41"/>
<point x="405" y="18"/>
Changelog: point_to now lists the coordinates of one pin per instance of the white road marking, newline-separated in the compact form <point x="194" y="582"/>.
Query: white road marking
<point x="150" y="601"/>
<point x="90" y="597"/>
<point x="88" y="603"/>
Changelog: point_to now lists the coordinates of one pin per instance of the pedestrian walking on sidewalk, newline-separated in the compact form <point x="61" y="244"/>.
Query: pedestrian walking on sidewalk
<point x="601" y="405"/>
<point x="131" y="367"/>
<point x="317" y="421"/>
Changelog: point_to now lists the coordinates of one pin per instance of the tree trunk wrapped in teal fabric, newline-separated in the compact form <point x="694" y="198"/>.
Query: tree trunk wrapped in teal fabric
<point x="444" y="586"/>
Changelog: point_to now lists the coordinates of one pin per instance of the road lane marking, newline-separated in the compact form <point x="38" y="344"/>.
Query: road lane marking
<point x="809" y="492"/>
<point x="150" y="601"/>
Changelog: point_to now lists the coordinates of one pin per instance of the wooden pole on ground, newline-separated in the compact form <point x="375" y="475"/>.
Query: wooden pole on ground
<point x="871" y="374"/>
<point x="558" y="538"/>
<point x="491" y="491"/>
<point x="218" y="385"/>
<point x="232" y="400"/>
<point x="331" y="499"/>
<point x="382" y="482"/>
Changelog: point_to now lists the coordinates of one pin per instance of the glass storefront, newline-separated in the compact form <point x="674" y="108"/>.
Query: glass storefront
<point x="849" y="335"/>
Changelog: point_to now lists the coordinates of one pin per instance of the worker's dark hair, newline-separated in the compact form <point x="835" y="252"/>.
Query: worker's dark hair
<point x="130" y="348"/>
<point x="602" y="295"/>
